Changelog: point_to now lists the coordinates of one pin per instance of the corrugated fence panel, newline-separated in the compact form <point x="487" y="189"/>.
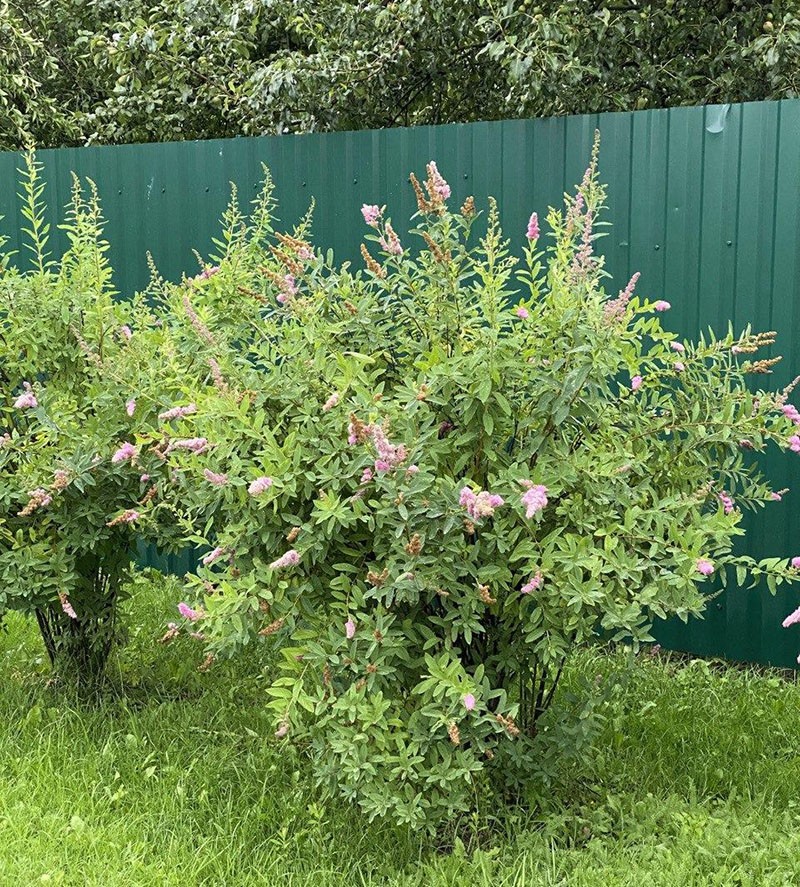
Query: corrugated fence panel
<point x="703" y="201"/>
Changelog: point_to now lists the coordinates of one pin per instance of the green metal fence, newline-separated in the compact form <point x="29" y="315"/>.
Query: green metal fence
<point x="705" y="203"/>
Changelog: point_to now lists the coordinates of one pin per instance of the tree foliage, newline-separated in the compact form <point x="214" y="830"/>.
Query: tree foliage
<point x="140" y="70"/>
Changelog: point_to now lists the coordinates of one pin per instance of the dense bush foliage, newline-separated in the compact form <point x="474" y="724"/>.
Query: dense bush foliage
<point x="71" y="478"/>
<point x="428" y="482"/>
<point x="153" y="70"/>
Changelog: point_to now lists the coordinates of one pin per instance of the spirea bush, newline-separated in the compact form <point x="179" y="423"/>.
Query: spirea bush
<point x="74" y="479"/>
<point x="426" y="483"/>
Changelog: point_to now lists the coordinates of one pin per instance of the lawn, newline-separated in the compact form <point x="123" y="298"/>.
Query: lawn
<point x="175" y="779"/>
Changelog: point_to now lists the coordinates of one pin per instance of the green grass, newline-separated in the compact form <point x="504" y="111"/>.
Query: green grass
<point x="175" y="780"/>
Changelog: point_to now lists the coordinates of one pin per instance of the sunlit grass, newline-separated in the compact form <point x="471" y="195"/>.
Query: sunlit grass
<point x="173" y="778"/>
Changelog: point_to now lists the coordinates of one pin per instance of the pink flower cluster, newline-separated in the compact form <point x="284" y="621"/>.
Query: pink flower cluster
<point x="479" y="505"/>
<point x="371" y="213"/>
<point x="661" y="305"/>
<point x="178" y="412"/>
<point x="66" y="605"/>
<point x="704" y="566"/>
<point x="26" y="400"/>
<point x="188" y="613"/>
<point x="259" y="485"/>
<point x="389" y="454"/>
<point x="130" y="406"/>
<point x="534" y="498"/>
<point x="791" y="413"/>
<point x="522" y="313"/>
<point x="330" y="403"/>
<point x="794" y="443"/>
<point x="727" y="502"/>
<point x="615" y="309"/>
<point x="290" y="559"/>
<point x="391" y="242"/>
<point x="217" y="480"/>
<point x="533" y="584"/>
<point x="214" y="555"/>
<point x="440" y="186"/>
<point x="38" y="498"/>
<point x="349" y="629"/>
<point x="636" y="383"/>
<point x="126" y="453"/>
<point x="194" y="445"/>
<point x="533" y="227"/>
<point x="288" y="288"/>
<point x="677" y="346"/>
<point x="469" y="701"/>
<point x="126" y="332"/>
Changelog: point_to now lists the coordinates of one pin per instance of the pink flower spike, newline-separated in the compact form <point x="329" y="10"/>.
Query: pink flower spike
<point x="533" y="227"/>
<point x="792" y="618"/>
<point x="522" y="313"/>
<point x="66" y="606"/>
<point x="704" y="566"/>
<point x="776" y="497"/>
<point x="130" y="406"/>
<point x="178" y="412"/>
<point x="188" y="613"/>
<point x="259" y="486"/>
<point x="212" y="556"/>
<point x="661" y="305"/>
<point x="636" y="383"/>
<point x="349" y="629"/>
<point x="678" y="366"/>
<point x="440" y="186"/>
<point x="330" y="403"/>
<point x="412" y="469"/>
<point x="469" y="702"/>
<point x="144" y="478"/>
<point x="796" y="563"/>
<point x="366" y="476"/>
<point x="217" y="480"/>
<point x="534" y="499"/>
<point x="533" y="584"/>
<point x="794" y="443"/>
<point x="676" y="346"/>
<point x="125" y="453"/>
<point x="371" y="213"/>
<point x="126" y="332"/>
<point x="290" y="559"/>
<point x="382" y="466"/>
<point x="26" y="400"/>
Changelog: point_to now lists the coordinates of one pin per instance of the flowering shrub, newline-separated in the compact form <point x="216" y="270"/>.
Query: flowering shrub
<point x="426" y="483"/>
<point x="76" y="464"/>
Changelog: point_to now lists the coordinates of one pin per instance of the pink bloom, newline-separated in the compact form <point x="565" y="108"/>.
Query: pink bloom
<point x="796" y="563"/>
<point x="469" y="702"/>
<point x="178" y="412"/>
<point x="412" y="469"/>
<point x="371" y="214"/>
<point x="126" y="332"/>
<point x="282" y="730"/>
<point x="290" y="559"/>
<point x="349" y="629"/>
<point x="66" y="606"/>
<point x="534" y="498"/>
<point x="218" y="480"/>
<point x="790" y="411"/>
<point x="366" y="476"/>
<point x="522" y="313"/>
<point x="259" y="485"/>
<point x="130" y="407"/>
<point x="794" y="443"/>
<point x="615" y="309"/>
<point x="533" y="584"/>
<point x="440" y="186"/>
<point x="776" y="497"/>
<point x="792" y="618"/>
<point x="188" y="613"/>
<point x="208" y="272"/>
<point x="661" y="305"/>
<point x="194" y="445"/>
<point x="736" y="349"/>
<point x="678" y="366"/>
<point x="480" y="505"/>
<point x="533" y="227"/>
<point x="289" y="285"/>
<point x="727" y="502"/>
<point x="212" y="556"/>
<point x="281" y="299"/>
<point x="382" y="466"/>
<point x="125" y="453"/>
<point x="330" y="403"/>
<point x="704" y="566"/>
<point x="144" y="478"/>
<point x="676" y="346"/>
<point x="26" y="400"/>
<point x="391" y="243"/>
<point x="129" y="516"/>
<point x="636" y="383"/>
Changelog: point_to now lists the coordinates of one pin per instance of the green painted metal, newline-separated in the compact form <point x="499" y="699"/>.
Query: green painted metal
<point x="703" y="201"/>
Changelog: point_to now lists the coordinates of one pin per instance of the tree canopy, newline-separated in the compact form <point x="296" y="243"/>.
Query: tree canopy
<point x="113" y="71"/>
